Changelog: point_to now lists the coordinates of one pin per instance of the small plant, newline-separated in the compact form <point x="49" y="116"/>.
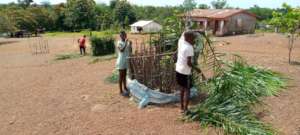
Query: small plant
<point x="114" y="78"/>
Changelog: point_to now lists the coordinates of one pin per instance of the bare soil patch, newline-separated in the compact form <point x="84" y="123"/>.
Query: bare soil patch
<point x="40" y="96"/>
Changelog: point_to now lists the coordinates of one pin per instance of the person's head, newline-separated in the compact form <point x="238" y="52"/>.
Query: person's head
<point x="123" y="35"/>
<point x="190" y="37"/>
<point x="84" y="36"/>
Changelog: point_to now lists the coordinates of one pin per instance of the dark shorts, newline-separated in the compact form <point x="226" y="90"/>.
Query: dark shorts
<point x="183" y="80"/>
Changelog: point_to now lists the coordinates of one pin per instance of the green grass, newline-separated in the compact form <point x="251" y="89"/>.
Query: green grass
<point x="78" y="34"/>
<point x="102" y="58"/>
<point x="232" y="94"/>
<point x="66" y="56"/>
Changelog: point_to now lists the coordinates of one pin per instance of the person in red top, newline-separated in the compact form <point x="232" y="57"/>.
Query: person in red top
<point x="81" y="43"/>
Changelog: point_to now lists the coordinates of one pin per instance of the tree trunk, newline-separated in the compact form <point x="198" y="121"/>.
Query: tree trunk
<point x="291" y="46"/>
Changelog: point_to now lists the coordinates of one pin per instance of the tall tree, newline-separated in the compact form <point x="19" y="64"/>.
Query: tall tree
<point x="46" y="3"/>
<point x="189" y="5"/>
<point x="25" y="3"/>
<point x="80" y="14"/>
<point x="6" y="25"/>
<point x="219" y="4"/>
<point x="122" y="10"/>
<point x="203" y="6"/>
<point x="262" y="13"/>
<point x="59" y="16"/>
<point x="43" y="17"/>
<point x="288" y="22"/>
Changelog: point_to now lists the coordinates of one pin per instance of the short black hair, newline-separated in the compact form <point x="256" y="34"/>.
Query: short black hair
<point x="122" y="32"/>
<point x="190" y="34"/>
<point x="84" y="35"/>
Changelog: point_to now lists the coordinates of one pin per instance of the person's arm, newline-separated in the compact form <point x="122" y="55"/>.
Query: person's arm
<point x="120" y="47"/>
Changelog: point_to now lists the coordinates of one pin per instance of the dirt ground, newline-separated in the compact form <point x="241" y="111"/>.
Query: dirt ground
<point x="41" y="96"/>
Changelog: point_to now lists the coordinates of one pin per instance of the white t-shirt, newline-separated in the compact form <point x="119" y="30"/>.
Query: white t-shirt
<point x="185" y="50"/>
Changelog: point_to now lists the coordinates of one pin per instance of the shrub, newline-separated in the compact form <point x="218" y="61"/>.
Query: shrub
<point x="102" y="45"/>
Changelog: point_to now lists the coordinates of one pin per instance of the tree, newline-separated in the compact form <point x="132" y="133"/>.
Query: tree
<point x="59" y="16"/>
<point x="288" y="22"/>
<point x="43" y="17"/>
<point x="203" y="6"/>
<point x="25" y="3"/>
<point x="219" y="4"/>
<point x="262" y="13"/>
<point x="80" y="14"/>
<point x="189" y="5"/>
<point x="122" y="10"/>
<point x="46" y="3"/>
<point x="6" y="25"/>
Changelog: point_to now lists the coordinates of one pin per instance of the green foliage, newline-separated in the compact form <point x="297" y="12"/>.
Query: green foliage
<point x="219" y="4"/>
<point x="6" y="25"/>
<point x="102" y="45"/>
<point x="122" y="11"/>
<point x="189" y="5"/>
<point x="80" y="14"/>
<point x="76" y="15"/>
<point x="203" y="6"/>
<point x="231" y="96"/>
<point x="25" y="3"/>
<point x="173" y="27"/>
<point x="288" y="21"/>
<point x="43" y="17"/>
<point x="262" y="13"/>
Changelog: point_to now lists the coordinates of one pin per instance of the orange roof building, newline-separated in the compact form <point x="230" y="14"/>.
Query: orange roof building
<point x="222" y="21"/>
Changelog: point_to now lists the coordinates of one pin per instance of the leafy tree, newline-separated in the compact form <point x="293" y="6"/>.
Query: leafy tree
<point x="219" y="4"/>
<point x="59" y="16"/>
<point x="25" y="3"/>
<point x="80" y="14"/>
<point x="43" y="17"/>
<point x="23" y="19"/>
<point x="203" y="6"/>
<point x="104" y="19"/>
<point x="122" y="10"/>
<point x="6" y="25"/>
<point x="46" y="3"/>
<point x="288" y="22"/>
<point x="113" y="3"/>
<point x="189" y="5"/>
<point x="262" y="13"/>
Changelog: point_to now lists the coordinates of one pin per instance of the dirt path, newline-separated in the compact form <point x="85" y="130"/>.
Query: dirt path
<point x="39" y="96"/>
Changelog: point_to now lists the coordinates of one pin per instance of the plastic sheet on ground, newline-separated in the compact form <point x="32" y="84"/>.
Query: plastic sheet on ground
<point x="145" y="95"/>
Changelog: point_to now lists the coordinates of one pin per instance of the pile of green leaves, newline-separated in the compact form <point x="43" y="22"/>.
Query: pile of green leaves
<point x="231" y="96"/>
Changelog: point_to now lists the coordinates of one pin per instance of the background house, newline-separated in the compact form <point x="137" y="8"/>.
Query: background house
<point x="222" y="21"/>
<point x="145" y="27"/>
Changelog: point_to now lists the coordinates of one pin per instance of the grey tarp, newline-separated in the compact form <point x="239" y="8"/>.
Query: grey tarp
<point x="145" y="95"/>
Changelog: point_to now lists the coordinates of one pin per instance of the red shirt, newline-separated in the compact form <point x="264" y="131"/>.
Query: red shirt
<point x="82" y="42"/>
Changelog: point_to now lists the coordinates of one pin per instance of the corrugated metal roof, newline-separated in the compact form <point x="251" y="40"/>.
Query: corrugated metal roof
<point x="141" y="23"/>
<point x="216" y="13"/>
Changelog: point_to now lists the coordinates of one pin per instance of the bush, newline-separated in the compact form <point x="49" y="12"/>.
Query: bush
<point x="102" y="45"/>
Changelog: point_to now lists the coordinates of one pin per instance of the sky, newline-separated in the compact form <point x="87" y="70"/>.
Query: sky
<point x="232" y="3"/>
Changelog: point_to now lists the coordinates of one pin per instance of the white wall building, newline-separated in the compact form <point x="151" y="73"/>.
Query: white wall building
<point x="145" y="27"/>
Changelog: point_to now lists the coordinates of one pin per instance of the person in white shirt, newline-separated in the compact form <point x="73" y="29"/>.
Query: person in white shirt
<point x="184" y="66"/>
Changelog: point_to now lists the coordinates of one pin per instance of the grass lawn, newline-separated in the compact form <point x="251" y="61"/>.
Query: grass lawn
<point x="85" y="32"/>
